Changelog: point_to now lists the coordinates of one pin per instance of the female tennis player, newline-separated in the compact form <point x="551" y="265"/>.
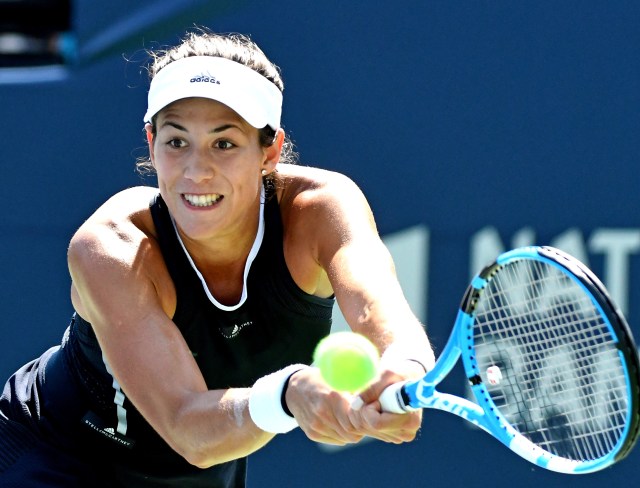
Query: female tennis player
<point x="198" y="304"/>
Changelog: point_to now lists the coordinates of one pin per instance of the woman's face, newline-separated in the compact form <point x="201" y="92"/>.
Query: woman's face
<point x="209" y="162"/>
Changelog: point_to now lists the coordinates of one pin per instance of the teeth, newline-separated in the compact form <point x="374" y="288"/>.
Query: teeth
<point x="201" y="200"/>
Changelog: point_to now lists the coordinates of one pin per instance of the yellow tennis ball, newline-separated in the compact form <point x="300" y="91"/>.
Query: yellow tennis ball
<point x="347" y="361"/>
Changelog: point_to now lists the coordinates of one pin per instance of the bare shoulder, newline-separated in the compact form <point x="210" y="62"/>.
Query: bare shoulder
<point x="323" y="210"/>
<point x="126" y="205"/>
<point x="306" y="187"/>
<point x="115" y="251"/>
<point x="315" y="206"/>
<point x="118" y="228"/>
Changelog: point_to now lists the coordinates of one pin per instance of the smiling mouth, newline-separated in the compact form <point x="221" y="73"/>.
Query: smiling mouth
<point x="202" y="200"/>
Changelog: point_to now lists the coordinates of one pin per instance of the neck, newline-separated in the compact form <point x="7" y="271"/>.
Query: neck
<point x="223" y="264"/>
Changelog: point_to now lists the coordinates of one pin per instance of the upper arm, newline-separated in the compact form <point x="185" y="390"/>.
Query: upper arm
<point x="337" y="222"/>
<point x="117" y="270"/>
<point x="122" y="288"/>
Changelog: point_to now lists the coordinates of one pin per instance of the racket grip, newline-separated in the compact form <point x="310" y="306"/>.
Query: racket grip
<point x="392" y="399"/>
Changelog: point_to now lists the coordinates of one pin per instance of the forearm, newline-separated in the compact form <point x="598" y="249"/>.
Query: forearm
<point x="385" y="317"/>
<point x="215" y="427"/>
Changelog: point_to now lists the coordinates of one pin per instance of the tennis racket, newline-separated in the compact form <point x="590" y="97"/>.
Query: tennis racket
<point x="550" y="360"/>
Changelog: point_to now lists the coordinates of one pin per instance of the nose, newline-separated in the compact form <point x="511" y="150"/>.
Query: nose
<point x="200" y="167"/>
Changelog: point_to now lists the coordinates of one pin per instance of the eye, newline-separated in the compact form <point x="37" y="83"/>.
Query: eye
<point x="224" y="145"/>
<point x="176" y="143"/>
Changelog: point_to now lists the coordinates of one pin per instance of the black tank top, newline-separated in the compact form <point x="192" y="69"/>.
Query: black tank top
<point x="278" y="324"/>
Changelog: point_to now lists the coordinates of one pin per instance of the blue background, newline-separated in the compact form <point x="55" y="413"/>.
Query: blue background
<point x="456" y="116"/>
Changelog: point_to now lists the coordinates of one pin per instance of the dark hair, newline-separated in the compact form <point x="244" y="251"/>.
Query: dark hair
<point x="236" y="47"/>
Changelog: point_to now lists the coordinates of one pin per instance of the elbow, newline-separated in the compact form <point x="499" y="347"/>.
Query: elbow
<point x="206" y="454"/>
<point x="205" y="439"/>
<point x="199" y="457"/>
<point x="206" y="458"/>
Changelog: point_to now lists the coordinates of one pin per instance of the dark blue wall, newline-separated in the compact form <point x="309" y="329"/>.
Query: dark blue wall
<point x="490" y="123"/>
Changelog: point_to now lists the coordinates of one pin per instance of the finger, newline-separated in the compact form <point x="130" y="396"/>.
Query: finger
<point x="387" y="427"/>
<point x="373" y="392"/>
<point x="334" y="425"/>
<point x="334" y="437"/>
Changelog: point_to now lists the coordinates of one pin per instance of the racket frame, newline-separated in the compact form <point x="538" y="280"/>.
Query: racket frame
<point x="423" y="393"/>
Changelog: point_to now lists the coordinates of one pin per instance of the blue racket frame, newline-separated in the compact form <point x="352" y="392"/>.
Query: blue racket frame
<point x="423" y="393"/>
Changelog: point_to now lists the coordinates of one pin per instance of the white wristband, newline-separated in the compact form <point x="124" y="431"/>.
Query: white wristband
<point x="265" y="401"/>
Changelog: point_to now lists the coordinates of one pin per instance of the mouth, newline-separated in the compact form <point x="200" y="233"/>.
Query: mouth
<point x="206" y="200"/>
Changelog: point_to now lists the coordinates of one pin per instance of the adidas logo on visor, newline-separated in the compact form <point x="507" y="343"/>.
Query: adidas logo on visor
<point x="204" y="79"/>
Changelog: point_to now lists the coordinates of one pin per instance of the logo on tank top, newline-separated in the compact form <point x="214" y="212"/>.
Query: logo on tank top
<point x="97" y="424"/>
<point x="233" y="330"/>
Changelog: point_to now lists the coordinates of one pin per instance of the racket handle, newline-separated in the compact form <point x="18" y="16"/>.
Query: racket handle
<point x="392" y="399"/>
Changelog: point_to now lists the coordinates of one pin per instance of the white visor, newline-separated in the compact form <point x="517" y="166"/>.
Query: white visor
<point x="256" y="99"/>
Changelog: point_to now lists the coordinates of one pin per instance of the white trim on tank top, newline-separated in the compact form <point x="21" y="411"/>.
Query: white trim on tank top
<point x="252" y="255"/>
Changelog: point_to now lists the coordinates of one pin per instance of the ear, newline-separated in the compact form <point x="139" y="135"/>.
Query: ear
<point x="149" y="129"/>
<point x="272" y="153"/>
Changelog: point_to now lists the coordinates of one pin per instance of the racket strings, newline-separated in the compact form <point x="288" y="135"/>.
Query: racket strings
<point x="562" y="382"/>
